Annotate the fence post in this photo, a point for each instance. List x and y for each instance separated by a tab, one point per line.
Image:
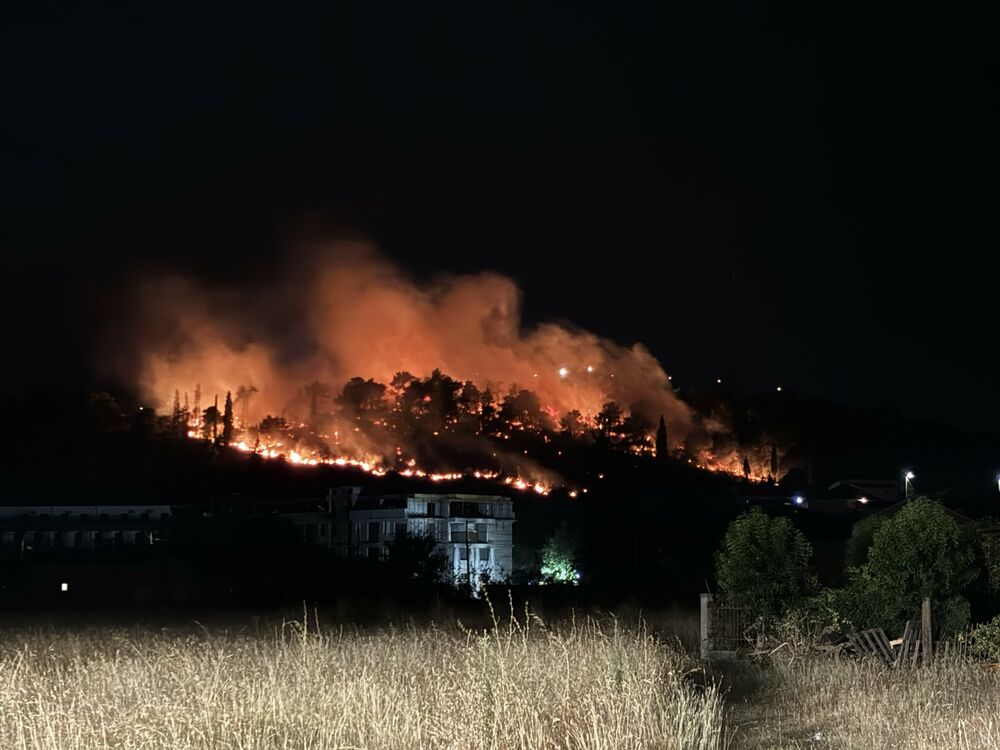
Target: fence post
706	599
926	638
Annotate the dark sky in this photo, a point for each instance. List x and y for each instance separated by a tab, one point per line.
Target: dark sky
795	196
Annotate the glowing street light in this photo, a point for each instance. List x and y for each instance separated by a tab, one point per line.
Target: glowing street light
908	478
799	500
563	372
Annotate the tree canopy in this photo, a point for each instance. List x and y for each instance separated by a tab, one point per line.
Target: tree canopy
763	564
920	551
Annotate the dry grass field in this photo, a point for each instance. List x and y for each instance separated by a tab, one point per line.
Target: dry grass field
517	684
952	705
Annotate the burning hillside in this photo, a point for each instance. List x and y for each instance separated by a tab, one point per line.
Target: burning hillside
347	361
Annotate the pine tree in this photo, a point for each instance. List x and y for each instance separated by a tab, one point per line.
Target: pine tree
746	467
196	406
175	416
774	460
227	420
210	423
661	440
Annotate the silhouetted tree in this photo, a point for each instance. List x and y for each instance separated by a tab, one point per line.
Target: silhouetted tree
176	421
362	398
746	466
469	399
144	422
609	419
401	380
430	404
487	411
774	460
417	557
227	420
661	439
210	423
572	423
635	429
104	413
522	408
196	404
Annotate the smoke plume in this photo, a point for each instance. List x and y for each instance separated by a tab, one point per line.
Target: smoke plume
345	311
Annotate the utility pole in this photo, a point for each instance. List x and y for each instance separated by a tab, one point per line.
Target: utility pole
468	554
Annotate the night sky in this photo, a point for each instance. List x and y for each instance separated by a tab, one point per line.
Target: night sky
772	196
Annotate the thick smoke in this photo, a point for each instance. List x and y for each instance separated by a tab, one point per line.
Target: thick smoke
348	312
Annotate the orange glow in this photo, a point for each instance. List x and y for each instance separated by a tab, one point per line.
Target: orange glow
371	465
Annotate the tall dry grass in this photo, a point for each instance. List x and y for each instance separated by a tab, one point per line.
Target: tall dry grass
518	684
819	703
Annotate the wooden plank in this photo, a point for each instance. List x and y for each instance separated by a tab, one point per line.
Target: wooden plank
904	644
883	644
873	639
874	647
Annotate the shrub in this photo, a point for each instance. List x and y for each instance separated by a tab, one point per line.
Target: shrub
763	565
986	639
919	552
860	541
814	619
559	556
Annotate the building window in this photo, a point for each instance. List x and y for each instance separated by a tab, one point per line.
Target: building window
481	532
484	554
373	527
463	554
461	532
430	509
400	530
373	553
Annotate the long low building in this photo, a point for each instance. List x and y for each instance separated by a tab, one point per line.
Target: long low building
473	532
30	528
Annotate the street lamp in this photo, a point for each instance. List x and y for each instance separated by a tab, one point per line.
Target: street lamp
908	477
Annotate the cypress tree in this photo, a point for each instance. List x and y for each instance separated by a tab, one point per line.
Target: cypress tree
661	440
227	420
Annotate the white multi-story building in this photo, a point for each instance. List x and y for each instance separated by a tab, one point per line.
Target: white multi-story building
474	532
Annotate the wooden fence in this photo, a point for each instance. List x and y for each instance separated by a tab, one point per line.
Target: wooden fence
723	629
